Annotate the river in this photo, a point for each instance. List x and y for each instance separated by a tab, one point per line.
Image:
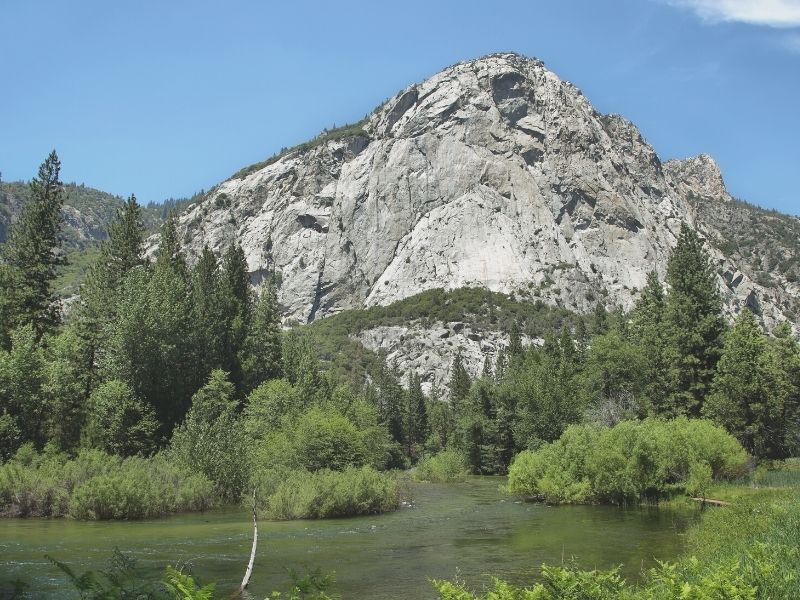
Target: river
470	529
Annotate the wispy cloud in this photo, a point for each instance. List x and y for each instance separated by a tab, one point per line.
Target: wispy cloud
774	13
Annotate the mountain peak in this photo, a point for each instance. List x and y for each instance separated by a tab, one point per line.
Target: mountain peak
492	173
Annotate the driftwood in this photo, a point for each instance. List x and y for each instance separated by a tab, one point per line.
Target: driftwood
712	502
249	572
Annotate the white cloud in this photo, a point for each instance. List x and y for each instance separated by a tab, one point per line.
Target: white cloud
774	13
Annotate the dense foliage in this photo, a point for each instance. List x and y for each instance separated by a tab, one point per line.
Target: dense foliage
190	364
96	485
633	461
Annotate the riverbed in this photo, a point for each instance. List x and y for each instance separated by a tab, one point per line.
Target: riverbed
470	530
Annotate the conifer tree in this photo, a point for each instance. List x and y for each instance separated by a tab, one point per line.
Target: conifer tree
749	392
261	357
694	323
391	404
417	426
208	317
460	382
237	306
122	251
648	333
30	257
514	342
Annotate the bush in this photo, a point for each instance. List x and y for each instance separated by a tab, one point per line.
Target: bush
96	485
447	466
631	462
323	494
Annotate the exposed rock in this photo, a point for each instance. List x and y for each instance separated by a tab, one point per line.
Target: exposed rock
492	173
418	349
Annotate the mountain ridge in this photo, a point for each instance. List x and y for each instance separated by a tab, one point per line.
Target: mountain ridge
493	172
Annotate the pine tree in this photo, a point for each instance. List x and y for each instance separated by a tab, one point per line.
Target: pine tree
208	317
648	333
122	251
261	357
237	306
30	258
744	398
694	323
391	404
514	342
169	247
417	425
460	382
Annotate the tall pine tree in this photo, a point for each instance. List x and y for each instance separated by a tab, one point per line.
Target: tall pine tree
694	324
31	256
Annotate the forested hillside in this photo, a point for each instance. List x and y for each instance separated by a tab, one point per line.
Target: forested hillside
168	363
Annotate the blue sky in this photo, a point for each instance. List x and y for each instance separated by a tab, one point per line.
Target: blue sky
165	98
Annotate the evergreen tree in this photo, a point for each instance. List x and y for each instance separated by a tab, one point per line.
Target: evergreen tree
599	319
694	323
417	413
460	382
30	258
500	365
648	333
785	372
515	342
208	317
122	251
237	306
391	404
261	357
169	246
487	372
747	396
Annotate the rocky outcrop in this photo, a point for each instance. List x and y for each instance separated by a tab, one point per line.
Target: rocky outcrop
492	173
429	351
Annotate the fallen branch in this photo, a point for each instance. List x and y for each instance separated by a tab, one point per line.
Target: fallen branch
249	572
712	502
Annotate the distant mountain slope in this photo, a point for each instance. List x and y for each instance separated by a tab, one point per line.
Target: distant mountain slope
87	214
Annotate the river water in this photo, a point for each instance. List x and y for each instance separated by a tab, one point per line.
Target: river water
470	530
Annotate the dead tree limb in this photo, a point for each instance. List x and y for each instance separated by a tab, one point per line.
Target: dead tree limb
249	572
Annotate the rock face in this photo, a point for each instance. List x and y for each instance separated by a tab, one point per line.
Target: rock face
492	173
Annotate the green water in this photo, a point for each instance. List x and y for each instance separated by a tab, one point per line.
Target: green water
469	528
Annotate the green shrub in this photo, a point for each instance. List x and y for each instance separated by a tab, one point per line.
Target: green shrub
630	462
96	485
138	489
447	466
325	493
